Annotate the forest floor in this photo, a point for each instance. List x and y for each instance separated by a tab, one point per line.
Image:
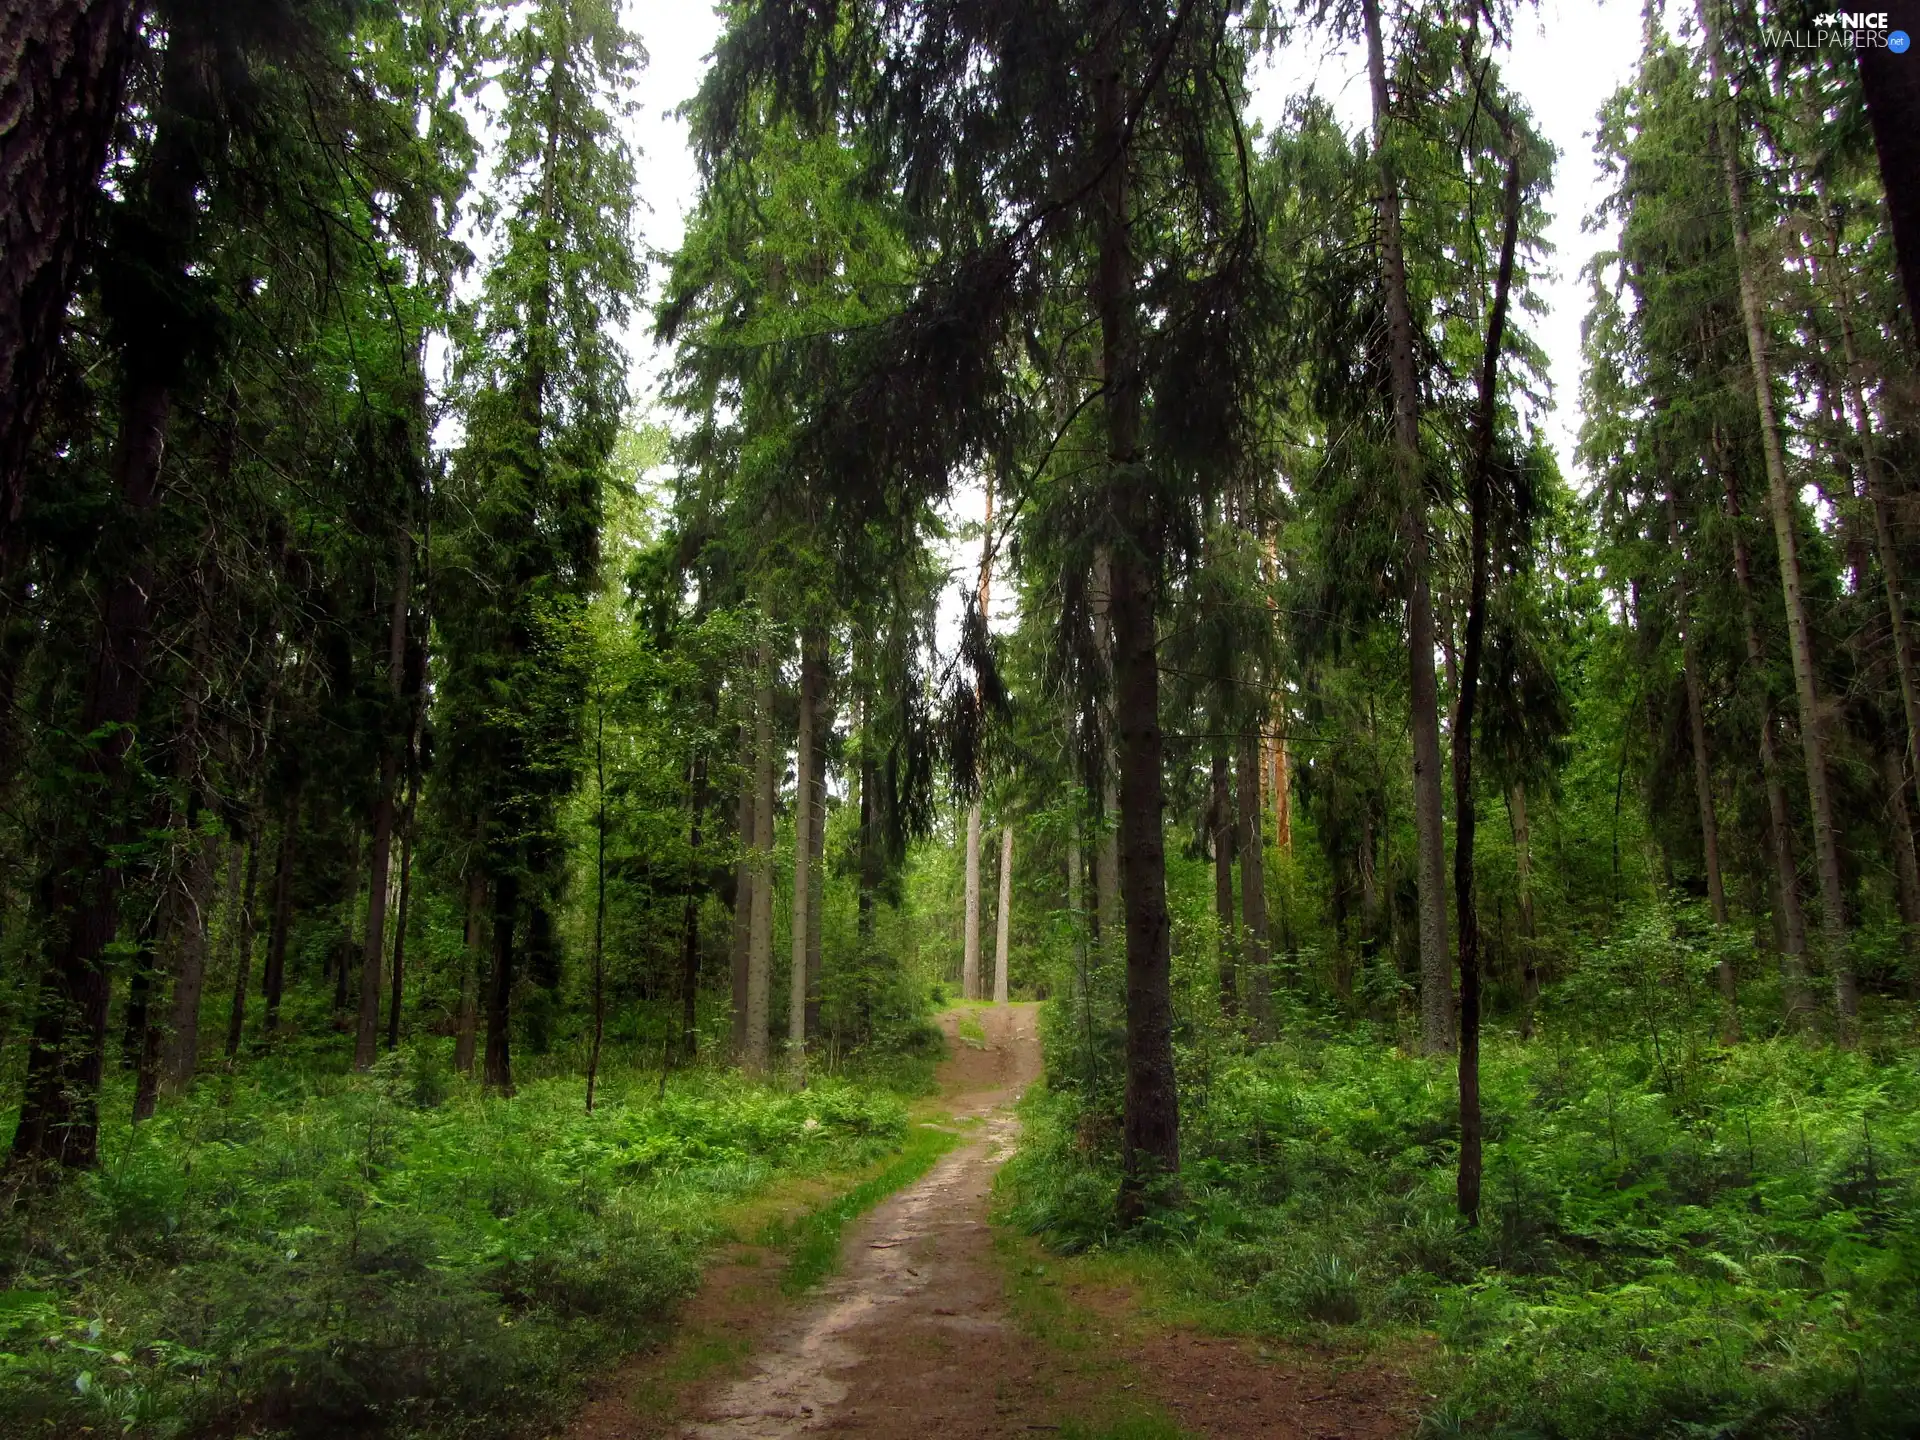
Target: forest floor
936	1322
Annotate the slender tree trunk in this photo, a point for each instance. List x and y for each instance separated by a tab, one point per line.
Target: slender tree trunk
803	820
600	894
1223	854
1529	954
497	1074
188	941
1780	497
273	981
1151	1124
1282	797
1786	878
143	1039
1890	84
1253	889
366	1041
1105	928
62	73
473	955
1906	865
1003	916
1465	805
243	940
743	896
760	945
1703	779
970	921
690	918
401	907
823	723
1436	984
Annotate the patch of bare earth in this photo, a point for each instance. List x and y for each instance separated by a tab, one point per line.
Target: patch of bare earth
913	1335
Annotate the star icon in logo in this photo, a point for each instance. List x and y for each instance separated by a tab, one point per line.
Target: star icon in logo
1824	22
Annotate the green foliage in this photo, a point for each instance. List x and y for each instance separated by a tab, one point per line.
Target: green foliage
389	1254
815	1239
1678	1238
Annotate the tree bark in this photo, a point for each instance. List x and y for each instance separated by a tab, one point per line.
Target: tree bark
1256	955
1780	498
689	918
401	907
366	1042
1465	804
970	920
273	980
1151	1107
1529	955
243	941
473	954
1703	778
1223	856
1906	865
760	942
803	820
743	897
1002	917
815	957
1105	927
1436	984
1786	877
187	939
63	67
497	1073
59	1113
1890	84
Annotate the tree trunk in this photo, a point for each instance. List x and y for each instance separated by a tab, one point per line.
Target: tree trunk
62	72
1151	1107
1105	928
1890	84
689	919
400	929
1780	497
760	940
366	1041
188	940
142	1041
803	820
600	895
1906	866
1529	955
243	941
1786	878
823	730
1703	779
273	980
1003	916
1436	983
1223	855
473	955
970	921
1253	889
1465	805
743	897
497	1074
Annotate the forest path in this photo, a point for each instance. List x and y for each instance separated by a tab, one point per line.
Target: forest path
917	1333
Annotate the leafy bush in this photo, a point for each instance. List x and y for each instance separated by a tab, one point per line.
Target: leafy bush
388	1254
1693	1240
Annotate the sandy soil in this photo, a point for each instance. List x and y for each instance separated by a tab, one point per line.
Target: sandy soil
913	1335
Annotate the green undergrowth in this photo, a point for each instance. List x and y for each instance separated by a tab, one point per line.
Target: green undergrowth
392	1254
1720	1243
814	1239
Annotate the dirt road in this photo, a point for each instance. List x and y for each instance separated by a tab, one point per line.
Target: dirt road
915	1335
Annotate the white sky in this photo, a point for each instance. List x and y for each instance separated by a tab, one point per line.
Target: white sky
1567	57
